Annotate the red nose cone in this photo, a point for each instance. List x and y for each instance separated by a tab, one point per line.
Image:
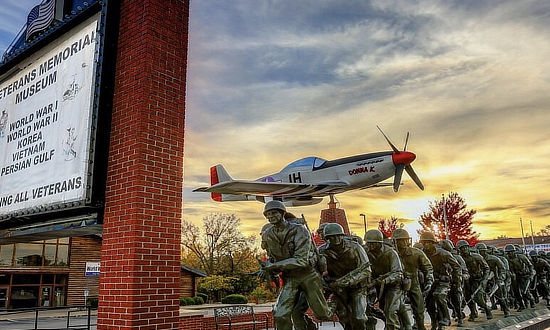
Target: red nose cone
403	157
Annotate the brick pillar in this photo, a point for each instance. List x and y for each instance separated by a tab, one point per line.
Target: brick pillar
334	214
140	261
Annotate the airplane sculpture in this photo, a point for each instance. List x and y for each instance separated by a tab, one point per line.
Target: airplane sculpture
307	180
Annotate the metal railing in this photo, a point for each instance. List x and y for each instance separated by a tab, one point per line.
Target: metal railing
70	310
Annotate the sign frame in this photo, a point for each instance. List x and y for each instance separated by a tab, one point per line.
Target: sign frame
100	113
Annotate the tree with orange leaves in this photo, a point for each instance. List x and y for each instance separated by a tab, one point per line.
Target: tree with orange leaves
459	219
387	226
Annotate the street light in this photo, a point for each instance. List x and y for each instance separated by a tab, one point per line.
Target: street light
364	221
211	270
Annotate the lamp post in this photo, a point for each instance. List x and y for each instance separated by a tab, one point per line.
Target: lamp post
211	264
232	263
364	221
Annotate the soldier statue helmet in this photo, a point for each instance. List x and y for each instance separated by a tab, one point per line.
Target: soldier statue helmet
427	236
274	205
481	247
332	229
462	243
374	236
400	233
374	239
447	245
533	253
401	238
510	249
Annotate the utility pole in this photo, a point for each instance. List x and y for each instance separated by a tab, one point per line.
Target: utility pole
532	235
445	217
364	221
522	235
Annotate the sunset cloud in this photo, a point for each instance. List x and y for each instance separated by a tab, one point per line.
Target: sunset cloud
273	82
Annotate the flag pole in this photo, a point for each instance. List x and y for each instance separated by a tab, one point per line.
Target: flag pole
445	217
522	236
532	235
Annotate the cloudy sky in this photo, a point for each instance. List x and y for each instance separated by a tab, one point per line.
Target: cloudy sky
273	81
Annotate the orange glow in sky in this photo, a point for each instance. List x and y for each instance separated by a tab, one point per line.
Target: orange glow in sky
269	84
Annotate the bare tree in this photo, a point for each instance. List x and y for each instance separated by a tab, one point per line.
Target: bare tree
222	248
545	231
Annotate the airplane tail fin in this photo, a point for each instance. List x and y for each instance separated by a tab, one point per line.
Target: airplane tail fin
219	174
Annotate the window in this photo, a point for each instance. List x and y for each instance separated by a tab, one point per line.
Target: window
6	255
27	254
62	255
53	252
49	255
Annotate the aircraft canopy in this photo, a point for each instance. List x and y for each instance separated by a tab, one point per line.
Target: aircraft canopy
309	162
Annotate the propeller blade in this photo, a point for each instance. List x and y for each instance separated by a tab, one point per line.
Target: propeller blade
397	178
406	141
389	142
413	176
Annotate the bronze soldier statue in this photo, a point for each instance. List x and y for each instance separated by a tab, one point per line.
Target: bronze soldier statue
289	246
446	271
496	284
479	276
456	293
523	273
348	274
508	281
387	275
542	267
414	261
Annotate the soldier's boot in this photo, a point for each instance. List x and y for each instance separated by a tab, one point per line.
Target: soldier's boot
493	303
506	312
489	313
535	296
473	311
460	322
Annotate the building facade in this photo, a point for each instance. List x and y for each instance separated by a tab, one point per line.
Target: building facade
48	273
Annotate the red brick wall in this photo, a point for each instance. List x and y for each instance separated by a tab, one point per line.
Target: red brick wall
140	262
333	214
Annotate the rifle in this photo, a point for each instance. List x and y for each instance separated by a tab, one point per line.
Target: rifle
491	275
493	290
532	284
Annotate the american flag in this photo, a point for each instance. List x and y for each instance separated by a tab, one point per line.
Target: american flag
40	17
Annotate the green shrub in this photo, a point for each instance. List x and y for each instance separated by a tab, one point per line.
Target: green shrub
198	300
235	299
204	296
187	301
259	294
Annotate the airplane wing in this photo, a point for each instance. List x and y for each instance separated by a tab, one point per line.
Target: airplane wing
379	185
243	187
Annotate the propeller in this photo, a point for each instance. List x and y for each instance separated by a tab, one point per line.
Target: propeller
402	161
